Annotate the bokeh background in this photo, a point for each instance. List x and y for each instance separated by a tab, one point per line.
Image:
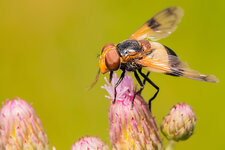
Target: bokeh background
48	57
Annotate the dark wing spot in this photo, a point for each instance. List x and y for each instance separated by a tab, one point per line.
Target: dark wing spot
153	24
170	11
174	63
176	72
170	51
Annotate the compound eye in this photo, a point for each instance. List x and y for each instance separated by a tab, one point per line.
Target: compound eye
107	46
112	60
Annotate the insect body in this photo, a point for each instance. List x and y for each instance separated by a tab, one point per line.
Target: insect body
140	51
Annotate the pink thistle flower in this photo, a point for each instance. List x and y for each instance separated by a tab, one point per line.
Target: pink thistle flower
130	128
89	143
180	123
20	128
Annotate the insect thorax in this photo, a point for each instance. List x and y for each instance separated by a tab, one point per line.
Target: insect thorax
128	46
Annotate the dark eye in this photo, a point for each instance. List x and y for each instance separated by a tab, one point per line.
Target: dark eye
112	59
107	46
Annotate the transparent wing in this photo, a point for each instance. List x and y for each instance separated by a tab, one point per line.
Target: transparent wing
159	26
162	62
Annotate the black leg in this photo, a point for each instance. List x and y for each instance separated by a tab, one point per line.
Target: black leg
110	76
139	91
144	81
153	84
118	82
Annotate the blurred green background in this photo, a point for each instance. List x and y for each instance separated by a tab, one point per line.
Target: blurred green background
48	57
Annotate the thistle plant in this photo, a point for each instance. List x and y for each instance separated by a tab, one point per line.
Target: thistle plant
130	128
20	128
179	124
89	143
135	128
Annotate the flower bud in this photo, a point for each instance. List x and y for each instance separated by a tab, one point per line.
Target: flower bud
179	124
89	143
131	128
20	128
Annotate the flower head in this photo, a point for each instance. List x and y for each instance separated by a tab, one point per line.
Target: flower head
131	128
20	128
179	124
89	143
125	90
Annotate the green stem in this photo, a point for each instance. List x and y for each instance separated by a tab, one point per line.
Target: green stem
170	145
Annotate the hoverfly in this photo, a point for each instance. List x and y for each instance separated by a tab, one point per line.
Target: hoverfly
140	51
